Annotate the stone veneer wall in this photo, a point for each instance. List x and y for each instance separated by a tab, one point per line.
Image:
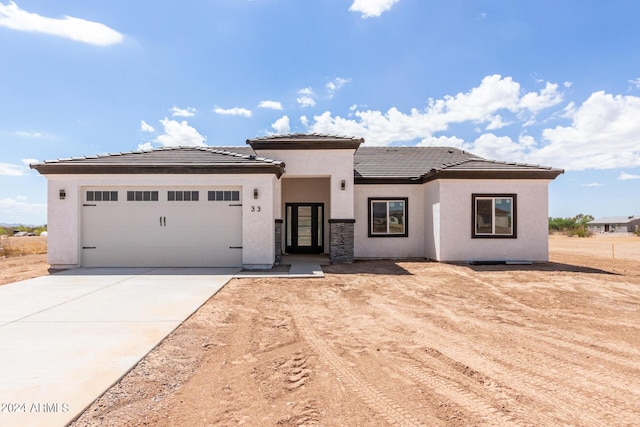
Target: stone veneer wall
278	240
341	234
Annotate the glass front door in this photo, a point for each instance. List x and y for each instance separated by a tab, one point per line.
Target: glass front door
304	228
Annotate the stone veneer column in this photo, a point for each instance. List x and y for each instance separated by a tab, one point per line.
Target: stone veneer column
341	233
278	241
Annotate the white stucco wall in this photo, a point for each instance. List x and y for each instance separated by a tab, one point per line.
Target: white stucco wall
456	243
411	246
432	219
64	216
335	164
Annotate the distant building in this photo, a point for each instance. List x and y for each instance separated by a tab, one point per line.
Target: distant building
615	224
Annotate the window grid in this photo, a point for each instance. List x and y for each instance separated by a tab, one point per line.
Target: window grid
142	196
183	196
101	196
223	196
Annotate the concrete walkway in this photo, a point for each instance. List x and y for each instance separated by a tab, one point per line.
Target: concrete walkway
68	337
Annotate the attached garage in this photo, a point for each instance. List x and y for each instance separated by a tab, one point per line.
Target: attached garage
170	207
162	227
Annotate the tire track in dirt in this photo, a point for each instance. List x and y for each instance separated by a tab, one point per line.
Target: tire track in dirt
388	409
539	355
556	399
442	379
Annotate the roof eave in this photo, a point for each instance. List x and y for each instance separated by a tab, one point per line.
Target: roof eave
93	169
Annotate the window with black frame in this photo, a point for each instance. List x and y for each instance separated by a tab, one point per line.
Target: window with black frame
388	217
494	216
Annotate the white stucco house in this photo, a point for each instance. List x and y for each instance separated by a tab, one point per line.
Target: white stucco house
246	206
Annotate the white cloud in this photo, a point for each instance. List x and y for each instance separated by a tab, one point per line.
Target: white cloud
548	97
146	127
29	161
441	141
604	134
147	146
18	210
8	169
306	101
24	134
180	112
603	131
179	134
336	84
635	82
307	98
11	16
274	105
371	8
592	184
496	123
627	176
281	126
233	111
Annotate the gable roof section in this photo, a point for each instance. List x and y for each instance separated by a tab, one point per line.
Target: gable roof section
187	160
415	165
301	141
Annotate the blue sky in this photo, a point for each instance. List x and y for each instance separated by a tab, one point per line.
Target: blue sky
545	82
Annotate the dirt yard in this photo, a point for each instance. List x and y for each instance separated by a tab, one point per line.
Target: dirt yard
404	343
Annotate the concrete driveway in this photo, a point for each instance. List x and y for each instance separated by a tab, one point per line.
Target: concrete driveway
68	337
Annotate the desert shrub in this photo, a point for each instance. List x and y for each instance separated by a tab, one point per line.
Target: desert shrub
579	232
3	231
16	246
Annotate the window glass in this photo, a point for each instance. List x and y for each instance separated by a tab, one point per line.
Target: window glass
503	216
138	196
114	196
171	196
494	215
146	196
388	217
396	217
97	196
89	196
195	196
379	217
484	216
235	195
219	195
130	196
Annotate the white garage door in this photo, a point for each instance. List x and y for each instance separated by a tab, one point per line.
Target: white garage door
161	227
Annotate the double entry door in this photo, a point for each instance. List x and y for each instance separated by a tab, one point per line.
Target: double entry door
304	228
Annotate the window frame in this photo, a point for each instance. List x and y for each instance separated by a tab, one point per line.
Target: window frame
493	197
372	200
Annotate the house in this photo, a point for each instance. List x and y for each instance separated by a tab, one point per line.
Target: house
615	224
299	193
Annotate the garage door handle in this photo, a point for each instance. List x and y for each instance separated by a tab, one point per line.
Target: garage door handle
160	221
235	247
164	218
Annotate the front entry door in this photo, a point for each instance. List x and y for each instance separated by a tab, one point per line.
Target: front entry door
304	232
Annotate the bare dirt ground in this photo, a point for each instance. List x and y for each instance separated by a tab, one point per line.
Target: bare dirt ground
22	258
402	343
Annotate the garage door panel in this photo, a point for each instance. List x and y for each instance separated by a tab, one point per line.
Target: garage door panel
162	233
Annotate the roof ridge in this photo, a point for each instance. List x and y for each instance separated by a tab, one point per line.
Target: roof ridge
168	148
300	134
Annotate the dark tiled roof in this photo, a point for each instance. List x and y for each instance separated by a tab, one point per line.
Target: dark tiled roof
404	162
371	164
420	164
170	159
301	141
